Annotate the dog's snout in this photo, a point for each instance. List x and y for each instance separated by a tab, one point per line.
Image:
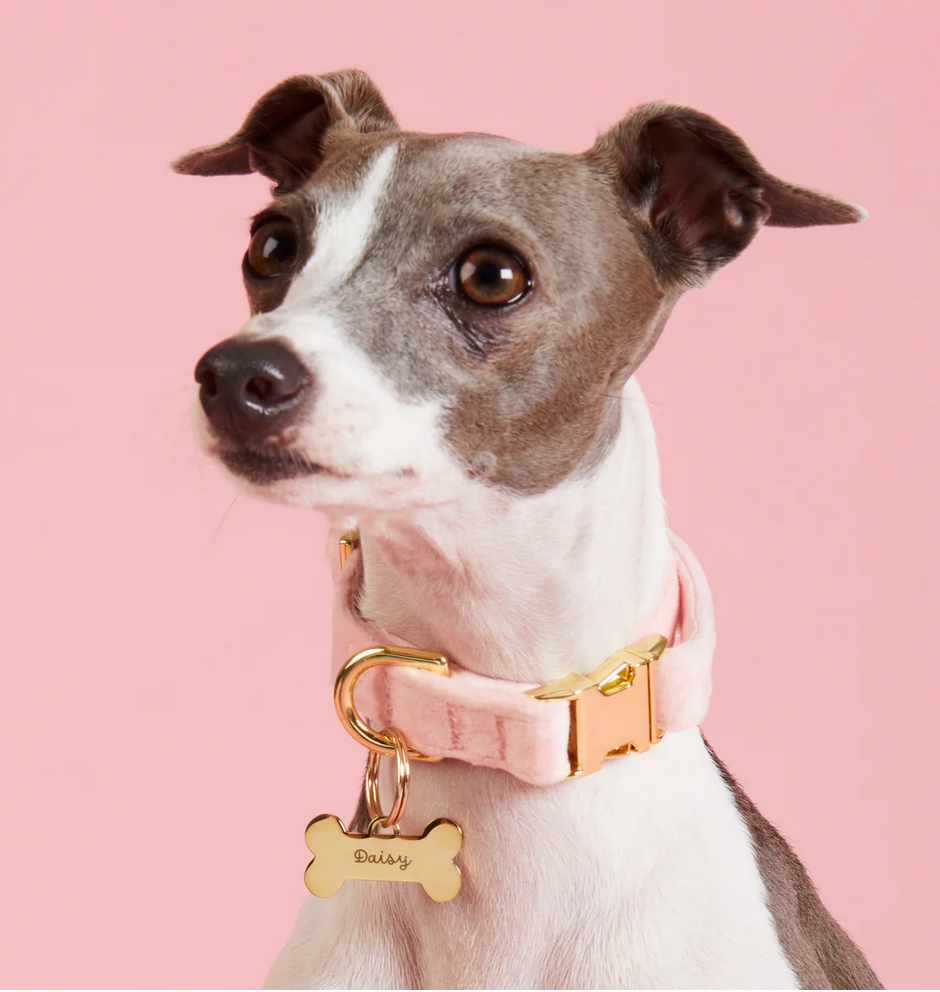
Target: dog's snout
247	387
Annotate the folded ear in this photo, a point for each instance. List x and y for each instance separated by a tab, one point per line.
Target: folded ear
282	137
699	193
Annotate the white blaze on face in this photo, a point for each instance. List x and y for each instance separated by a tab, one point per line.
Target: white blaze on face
357	425
344	229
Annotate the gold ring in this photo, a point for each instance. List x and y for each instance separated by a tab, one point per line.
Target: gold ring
403	776
375	823
346	681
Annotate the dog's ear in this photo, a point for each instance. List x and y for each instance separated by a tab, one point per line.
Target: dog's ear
699	193
282	137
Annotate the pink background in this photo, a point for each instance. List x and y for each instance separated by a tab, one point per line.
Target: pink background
166	720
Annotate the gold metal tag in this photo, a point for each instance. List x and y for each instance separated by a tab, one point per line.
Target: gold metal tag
339	856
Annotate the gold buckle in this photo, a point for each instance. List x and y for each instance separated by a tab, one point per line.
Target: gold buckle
346	680
613	710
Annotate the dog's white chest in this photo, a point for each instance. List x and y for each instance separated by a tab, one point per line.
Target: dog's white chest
640	876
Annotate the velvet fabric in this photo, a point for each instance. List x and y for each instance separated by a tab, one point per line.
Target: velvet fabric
492	722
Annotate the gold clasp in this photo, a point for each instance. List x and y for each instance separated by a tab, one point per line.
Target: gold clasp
613	710
348	543
346	680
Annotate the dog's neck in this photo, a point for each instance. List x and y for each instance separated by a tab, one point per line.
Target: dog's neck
527	588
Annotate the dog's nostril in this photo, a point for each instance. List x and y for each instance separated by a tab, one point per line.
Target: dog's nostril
261	388
209	383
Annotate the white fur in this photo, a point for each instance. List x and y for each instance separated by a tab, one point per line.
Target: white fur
523	588
343	231
362	431
639	876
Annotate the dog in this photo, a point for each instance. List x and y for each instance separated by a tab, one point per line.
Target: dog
441	352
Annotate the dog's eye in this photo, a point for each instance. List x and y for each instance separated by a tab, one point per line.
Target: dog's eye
491	276
272	250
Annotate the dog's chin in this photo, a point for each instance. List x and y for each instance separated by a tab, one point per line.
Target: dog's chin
282	476
270	466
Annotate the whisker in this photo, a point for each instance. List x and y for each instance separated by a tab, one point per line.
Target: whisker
221	522
621	396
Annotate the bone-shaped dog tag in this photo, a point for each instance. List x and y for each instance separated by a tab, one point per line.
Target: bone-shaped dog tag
338	856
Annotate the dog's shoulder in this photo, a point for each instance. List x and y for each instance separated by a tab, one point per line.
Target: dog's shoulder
821	953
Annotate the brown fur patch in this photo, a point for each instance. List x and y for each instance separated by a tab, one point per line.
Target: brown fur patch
283	134
531	390
698	192
821	953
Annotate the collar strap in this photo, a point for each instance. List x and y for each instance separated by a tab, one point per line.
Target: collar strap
540	734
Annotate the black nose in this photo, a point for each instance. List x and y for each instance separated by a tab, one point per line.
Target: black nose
248	387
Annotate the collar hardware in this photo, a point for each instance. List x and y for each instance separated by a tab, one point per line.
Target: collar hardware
613	709
348	543
408	657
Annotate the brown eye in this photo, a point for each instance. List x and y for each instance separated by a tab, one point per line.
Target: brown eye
492	276
272	250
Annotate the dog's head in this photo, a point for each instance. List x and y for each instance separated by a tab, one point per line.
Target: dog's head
436	311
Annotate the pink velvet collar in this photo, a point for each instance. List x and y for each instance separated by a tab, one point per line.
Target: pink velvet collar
492	722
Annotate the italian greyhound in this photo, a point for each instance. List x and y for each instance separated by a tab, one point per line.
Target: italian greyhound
441	352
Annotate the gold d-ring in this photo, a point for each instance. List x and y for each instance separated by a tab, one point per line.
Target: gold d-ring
402	778
346	681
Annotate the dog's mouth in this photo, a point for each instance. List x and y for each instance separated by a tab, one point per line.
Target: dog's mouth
271	464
